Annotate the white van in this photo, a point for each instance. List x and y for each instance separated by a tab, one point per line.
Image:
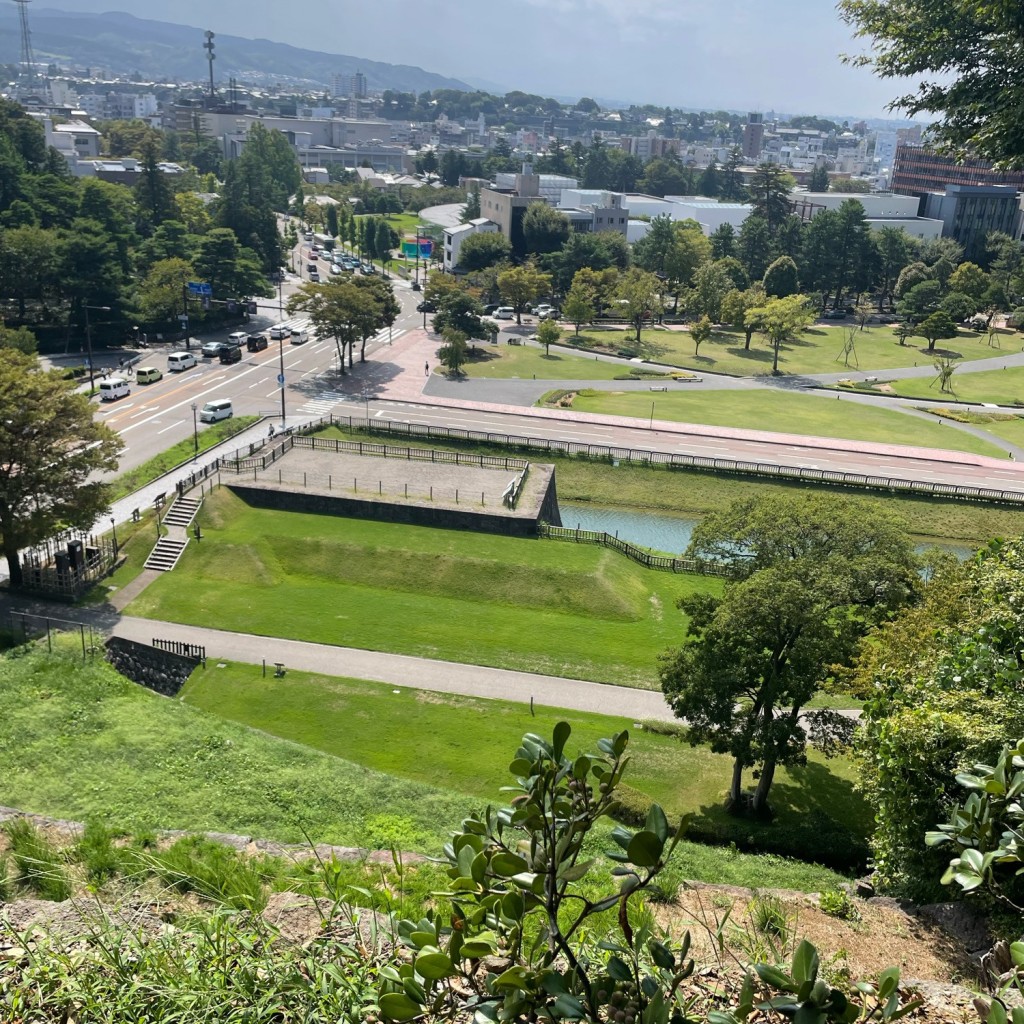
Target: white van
238	339
299	335
219	409
178	361
147	374
113	388
504	313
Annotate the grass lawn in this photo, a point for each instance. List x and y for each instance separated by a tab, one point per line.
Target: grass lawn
527	362
695	494
79	741
815	350
403	223
998	387
464	743
532	605
789	413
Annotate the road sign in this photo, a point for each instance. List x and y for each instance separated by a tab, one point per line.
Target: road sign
183	318
199	288
280	378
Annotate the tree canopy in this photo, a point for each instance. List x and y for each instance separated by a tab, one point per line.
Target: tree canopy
811	574
51	451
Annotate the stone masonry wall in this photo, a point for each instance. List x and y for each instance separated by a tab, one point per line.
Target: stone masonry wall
157	670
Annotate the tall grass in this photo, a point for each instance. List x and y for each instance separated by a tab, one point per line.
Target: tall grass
40	864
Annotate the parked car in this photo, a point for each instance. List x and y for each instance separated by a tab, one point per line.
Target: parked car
491	309
416	286
212	349
504	313
426	306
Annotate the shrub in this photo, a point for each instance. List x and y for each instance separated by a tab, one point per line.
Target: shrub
768	915
40	864
837	903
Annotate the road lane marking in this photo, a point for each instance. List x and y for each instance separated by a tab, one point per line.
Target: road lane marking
171	427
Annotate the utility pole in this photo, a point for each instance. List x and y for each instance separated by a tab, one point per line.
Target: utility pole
280	353
88	337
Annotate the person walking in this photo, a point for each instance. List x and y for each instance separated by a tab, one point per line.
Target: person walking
426	369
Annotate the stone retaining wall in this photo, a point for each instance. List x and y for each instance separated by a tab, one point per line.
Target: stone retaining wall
159	671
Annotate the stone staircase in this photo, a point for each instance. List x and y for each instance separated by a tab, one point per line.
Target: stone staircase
165	555
182	512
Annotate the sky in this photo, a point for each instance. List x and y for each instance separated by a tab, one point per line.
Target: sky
781	55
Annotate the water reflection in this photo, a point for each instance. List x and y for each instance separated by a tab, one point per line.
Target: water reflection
666	533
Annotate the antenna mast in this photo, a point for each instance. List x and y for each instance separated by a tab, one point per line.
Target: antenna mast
27	56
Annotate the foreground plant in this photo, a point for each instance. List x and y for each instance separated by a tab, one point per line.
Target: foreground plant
514	946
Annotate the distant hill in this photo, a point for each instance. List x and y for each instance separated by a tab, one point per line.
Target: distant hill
159	50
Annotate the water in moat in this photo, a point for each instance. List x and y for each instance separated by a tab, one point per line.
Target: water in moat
670	534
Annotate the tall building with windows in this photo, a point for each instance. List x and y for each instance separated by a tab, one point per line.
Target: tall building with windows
753	136
916	170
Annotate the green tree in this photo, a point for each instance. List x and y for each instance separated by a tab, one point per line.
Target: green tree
966	57
723	242
711	284
663	177
545	229
454	352
780	320
337	309
471	211
754	246
484	249
709	183
231	270
548	333
639	293
733	190
459	311
153	195
936	326
911	275
781	278
818	181
522	286
737	304
579	307
52	454
269	168
811	575
959	306
920	300
769	194
970	279
942	694
893	247
331	220
700	331
159	296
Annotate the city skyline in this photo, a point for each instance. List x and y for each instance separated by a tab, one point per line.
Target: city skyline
731	54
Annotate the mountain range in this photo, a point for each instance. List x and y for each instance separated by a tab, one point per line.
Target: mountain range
161	51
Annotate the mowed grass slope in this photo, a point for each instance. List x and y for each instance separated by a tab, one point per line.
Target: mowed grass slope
79	740
999	387
465	743
532	605
790	414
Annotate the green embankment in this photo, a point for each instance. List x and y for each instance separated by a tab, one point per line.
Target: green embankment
532	605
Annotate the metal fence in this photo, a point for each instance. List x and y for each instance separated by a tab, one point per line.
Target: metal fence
640	555
66	565
679	460
512	493
197	652
34	627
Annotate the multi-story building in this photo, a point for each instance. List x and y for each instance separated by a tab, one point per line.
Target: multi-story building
969	212
753	136
649	146
454	237
881	210
917	170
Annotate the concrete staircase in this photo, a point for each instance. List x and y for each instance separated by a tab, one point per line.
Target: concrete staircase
165	555
178	518
182	512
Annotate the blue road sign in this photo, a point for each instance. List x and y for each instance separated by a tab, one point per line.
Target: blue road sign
280	378
199	288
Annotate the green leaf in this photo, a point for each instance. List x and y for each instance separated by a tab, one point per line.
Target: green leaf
661	955
805	963
398	1006
1017	953
568	1006
414	990
888	981
421	939
514	977
996	1013
645	849
434	966
574	872
475	948
508	864
521	767
561	735
658	823
618	969
774	977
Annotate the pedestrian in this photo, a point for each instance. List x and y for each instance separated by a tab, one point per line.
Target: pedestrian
120	363
271	432
426	369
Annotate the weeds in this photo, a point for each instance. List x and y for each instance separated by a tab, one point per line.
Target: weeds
40	864
767	915
5	880
837	903
96	851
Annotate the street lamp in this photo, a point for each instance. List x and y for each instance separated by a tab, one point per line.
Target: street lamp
195	432
280	375
418	254
113	530
88	336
